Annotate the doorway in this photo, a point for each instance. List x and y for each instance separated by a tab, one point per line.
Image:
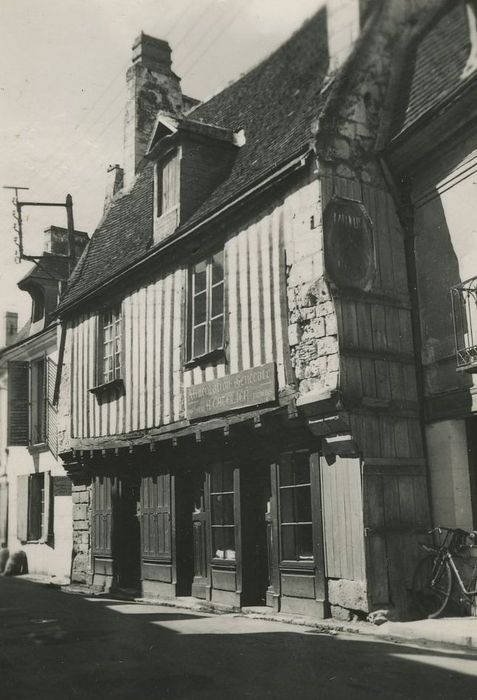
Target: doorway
127	536
256	522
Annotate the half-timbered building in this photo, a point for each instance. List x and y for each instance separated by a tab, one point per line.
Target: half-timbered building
35	492
240	407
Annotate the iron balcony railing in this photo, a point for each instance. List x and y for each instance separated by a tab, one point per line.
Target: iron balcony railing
464	312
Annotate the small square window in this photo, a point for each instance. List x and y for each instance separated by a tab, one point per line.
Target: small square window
207	306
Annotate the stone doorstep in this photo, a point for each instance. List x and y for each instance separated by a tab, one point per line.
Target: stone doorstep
444	633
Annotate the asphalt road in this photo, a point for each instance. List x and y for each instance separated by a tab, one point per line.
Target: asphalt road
58	645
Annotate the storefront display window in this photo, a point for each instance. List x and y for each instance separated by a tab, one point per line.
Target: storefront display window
295	507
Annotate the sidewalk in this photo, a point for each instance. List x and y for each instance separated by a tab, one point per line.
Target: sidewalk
458	632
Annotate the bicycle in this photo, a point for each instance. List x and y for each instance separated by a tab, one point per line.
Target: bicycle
436	573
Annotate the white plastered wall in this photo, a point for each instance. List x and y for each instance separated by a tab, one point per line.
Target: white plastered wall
449	471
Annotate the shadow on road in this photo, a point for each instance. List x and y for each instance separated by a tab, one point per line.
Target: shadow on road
55	645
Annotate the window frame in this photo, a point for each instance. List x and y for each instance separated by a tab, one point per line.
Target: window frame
210	351
42	510
308	561
115	311
174	155
38	397
221	526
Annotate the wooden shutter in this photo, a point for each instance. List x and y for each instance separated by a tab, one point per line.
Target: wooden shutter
3	512
51	409
156	516
18	403
102	515
22	507
47	522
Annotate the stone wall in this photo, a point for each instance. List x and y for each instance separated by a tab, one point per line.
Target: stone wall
81	570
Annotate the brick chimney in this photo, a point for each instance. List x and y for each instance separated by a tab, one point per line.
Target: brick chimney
9	328
114	182
56	241
345	19
152	86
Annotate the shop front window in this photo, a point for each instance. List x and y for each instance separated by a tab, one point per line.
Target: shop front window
295	507
222	511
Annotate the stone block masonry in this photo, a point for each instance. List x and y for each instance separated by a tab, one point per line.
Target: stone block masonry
81	569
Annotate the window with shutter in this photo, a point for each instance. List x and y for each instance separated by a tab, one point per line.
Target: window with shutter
22	507
168	184
38	401
51	409
3	512
18	403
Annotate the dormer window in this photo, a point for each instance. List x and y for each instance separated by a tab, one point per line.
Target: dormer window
38	306
167	198
168	184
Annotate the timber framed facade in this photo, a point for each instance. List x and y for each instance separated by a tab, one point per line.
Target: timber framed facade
257	433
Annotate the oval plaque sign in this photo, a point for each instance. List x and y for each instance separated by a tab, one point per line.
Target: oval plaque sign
349	244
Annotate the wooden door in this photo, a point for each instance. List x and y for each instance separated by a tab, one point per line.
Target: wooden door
156	517
102	516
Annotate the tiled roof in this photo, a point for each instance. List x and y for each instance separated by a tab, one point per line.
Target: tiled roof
435	67
274	103
49	267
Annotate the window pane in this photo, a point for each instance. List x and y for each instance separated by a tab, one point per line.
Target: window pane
294	469
217	300
199	341
222	509
287	512
200	308
302	467
200	277
223	542
222	477
288	542
304	538
217	333
302	504
218	267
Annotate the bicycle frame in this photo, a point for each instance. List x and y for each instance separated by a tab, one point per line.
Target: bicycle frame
443	554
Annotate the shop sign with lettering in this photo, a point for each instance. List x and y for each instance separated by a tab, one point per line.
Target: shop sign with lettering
349	244
251	387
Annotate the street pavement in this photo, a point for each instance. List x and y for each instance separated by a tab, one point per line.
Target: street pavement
59	645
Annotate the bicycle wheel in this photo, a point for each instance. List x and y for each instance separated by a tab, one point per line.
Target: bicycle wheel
431	586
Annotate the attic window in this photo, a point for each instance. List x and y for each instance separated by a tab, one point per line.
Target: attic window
168	184
38	306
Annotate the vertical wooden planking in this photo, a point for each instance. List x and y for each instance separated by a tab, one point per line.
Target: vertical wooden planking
170	348
243	329
141	301
277	260
128	363
266	290
256	308
159	352
232	293
166	340
177	358
149	368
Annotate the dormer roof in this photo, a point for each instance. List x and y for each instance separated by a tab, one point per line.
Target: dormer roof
273	105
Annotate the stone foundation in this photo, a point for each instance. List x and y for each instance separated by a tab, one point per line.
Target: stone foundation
81	570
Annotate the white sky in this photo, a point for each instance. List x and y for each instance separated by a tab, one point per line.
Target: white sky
62	93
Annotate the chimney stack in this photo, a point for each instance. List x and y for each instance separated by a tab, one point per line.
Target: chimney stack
56	241
9	328
152	86
345	19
